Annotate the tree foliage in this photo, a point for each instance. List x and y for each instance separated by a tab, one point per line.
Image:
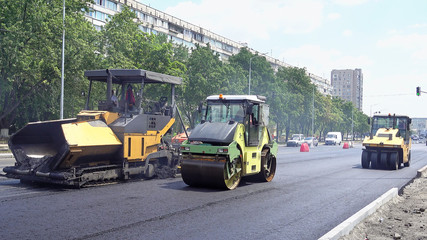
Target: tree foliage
30	56
30	70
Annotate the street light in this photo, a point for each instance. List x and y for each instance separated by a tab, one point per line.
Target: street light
250	71
312	115
62	62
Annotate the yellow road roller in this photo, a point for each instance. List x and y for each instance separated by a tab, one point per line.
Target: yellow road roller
389	143
117	140
232	141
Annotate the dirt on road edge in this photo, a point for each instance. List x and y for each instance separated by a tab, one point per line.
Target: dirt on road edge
403	217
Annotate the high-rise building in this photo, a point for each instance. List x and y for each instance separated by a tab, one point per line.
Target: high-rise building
348	85
182	32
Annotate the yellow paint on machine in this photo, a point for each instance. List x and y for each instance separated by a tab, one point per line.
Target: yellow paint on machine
108	117
87	134
92	138
387	138
137	146
251	155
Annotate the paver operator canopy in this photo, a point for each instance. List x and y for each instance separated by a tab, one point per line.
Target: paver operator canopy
128	81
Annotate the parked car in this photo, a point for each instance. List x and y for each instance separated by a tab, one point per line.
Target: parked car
311	141
296	140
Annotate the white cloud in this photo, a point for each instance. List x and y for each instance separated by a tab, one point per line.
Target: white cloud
416	43
350	2
347	33
419	25
322	61
250	20
334	16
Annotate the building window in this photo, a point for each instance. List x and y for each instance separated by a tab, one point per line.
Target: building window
144	29
198	37
227	47
102	16
91	13
111	5
100	2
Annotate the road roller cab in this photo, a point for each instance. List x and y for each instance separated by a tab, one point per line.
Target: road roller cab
232	141
389	143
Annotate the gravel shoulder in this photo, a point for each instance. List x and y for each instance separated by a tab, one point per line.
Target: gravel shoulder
403	217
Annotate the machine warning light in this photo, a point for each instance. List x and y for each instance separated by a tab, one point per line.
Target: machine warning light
418	91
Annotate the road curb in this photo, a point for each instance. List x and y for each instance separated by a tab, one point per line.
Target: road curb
348	225
422	172
345	227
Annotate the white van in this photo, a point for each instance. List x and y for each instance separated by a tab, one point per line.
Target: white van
333	138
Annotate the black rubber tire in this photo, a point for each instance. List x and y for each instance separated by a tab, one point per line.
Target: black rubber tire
394	161
407	164
374	160
268	167
365	159
384	159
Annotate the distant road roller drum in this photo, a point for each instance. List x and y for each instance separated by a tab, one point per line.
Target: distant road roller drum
389	143
232	141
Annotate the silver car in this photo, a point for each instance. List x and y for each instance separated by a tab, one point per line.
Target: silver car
311	141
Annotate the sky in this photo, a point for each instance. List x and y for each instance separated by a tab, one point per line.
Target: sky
387	39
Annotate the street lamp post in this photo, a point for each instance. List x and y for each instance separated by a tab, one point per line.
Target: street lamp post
62	64
352	123
250	71
312	115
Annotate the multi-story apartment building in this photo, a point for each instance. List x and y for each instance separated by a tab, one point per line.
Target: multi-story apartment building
348	85
181	32
323	85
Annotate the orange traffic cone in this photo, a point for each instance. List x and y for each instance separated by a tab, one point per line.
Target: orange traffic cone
346	146
304	148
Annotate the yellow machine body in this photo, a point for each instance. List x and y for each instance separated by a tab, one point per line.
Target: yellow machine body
389	144
113	142
388	139
138	146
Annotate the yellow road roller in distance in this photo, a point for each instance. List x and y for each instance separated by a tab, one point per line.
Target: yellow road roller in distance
389	143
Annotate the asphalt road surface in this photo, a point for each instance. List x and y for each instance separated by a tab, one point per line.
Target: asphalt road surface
311	193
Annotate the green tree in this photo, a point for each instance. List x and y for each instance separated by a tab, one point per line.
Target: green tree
299	96
206	76
30	57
